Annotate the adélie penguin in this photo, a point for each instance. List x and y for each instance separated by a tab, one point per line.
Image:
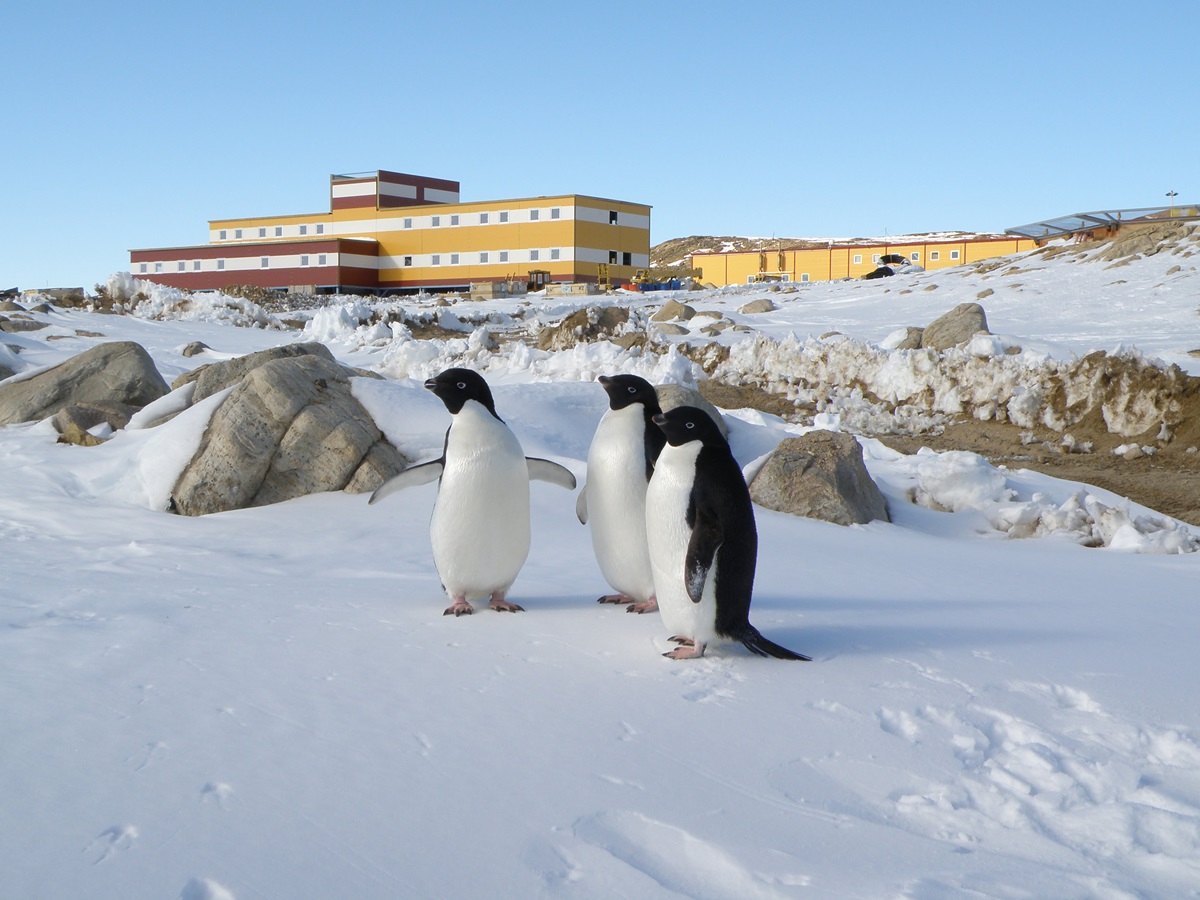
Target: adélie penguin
613	500
702	540
480	524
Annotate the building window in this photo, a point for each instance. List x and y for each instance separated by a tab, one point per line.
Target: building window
483	257
454	220
237	233
503	217
804	276
158	267
220	264
914	256
483	218
875	258
858	259
555	212
954	254
612	217
221	234
555	253
503	256
408	260
454	259
196	266
408	223
321	228
262	232
533	256
627	259
304	229
437	259
322	260
612	257
304	260
278	231
264	262
533	215
933	255
182	266
436	221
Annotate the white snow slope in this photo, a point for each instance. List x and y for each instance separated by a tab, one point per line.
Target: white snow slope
269	703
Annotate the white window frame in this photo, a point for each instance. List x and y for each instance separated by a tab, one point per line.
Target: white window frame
264	262
237	233
483	218
915	256
158	267
503	256
454	259
435	222
483	257
454	220
262	232
304	229
220	264
221	235
196	265
555	253
322	259
954	254
408	223
143	268
504	215
858	259
555	212
533	215
934	255
278	231
436	259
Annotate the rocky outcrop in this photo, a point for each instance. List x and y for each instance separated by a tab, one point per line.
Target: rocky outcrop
819	475
215	377
119	372
290	427
956	327
673	309
584	326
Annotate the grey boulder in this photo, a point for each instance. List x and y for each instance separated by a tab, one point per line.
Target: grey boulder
819	475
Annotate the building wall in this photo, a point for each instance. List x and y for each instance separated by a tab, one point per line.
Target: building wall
436	243
847	260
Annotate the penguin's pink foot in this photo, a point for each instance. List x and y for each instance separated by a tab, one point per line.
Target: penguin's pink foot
614	598
460	607
646	606
686	650
499	604
680	639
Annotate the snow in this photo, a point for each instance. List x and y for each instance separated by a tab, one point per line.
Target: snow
269	703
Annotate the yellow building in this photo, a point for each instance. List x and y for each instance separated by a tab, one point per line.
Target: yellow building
388	232
834	260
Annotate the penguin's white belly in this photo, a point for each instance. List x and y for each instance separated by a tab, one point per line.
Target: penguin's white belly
480	526
668	536
616	502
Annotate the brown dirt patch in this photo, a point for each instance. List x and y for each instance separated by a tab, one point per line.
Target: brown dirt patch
1167	482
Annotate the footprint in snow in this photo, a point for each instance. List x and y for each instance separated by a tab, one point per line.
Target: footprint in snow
111	841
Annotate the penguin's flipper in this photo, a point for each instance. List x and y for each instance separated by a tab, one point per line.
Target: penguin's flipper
410	477
761	646
702	549
581	506
544	470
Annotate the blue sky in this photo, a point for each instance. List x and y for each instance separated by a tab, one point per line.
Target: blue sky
132	125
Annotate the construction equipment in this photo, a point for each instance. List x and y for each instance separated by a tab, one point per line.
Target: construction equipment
602	281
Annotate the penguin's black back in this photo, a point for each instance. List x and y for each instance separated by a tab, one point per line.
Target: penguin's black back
719	490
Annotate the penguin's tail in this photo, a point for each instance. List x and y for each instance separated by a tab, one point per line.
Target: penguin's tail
761	646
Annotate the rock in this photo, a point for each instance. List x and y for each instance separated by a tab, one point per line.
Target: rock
819	475
291	427
912	339
12	326
215	377
583	326
955	327
9	306
984	294
195	348
673	395
673	309
85	416
761	305
73	434
6	372
119	372
671	329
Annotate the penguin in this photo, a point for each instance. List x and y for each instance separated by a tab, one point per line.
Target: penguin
702	540
480	524
613	500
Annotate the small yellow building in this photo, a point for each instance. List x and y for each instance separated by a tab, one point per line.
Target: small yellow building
833	260
387	232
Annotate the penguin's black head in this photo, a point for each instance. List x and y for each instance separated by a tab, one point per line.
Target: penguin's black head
685	424
456	386
624	390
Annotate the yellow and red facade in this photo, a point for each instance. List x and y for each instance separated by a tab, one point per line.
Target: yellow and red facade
387	231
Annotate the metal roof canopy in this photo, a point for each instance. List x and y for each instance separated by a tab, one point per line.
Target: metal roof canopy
1076	222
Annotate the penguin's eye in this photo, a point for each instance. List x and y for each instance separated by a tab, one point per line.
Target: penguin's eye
631	390
689	424
462	385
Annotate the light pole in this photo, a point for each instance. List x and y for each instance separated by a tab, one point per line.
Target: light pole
1171	195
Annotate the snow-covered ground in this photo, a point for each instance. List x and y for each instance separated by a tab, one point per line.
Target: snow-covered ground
269	702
